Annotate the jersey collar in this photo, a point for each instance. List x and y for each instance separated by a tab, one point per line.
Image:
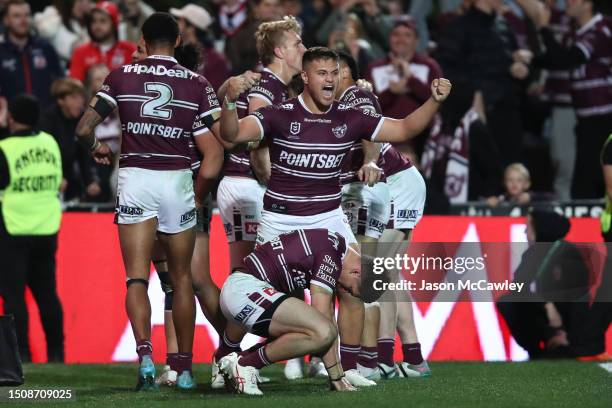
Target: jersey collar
346	90
301	101
163	57
269	71
596	19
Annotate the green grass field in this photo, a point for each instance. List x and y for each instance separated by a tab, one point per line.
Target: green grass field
535	384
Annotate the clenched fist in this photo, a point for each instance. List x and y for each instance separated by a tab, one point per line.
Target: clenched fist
239	84
440	89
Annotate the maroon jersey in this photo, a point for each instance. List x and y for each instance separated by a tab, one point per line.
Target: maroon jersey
592	82
392	161
298	259
359	98
307	152
161	106
557	89
273	91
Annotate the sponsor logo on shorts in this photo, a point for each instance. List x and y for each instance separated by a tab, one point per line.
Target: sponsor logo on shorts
188	216
244	313
250	227
228	228
249	217
126	210
376	225
409	215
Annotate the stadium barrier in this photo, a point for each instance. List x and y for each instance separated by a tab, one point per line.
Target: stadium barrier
91	285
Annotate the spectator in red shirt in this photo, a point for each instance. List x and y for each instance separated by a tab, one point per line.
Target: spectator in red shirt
194	22
104	47
401	80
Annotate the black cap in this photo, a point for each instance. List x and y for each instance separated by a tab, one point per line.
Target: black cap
25	109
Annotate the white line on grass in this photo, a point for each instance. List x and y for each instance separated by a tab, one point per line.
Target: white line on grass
606	366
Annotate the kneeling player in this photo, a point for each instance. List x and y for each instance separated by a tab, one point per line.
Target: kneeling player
255	298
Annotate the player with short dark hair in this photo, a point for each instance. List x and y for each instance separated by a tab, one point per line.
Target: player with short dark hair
309	137
161	105
255	297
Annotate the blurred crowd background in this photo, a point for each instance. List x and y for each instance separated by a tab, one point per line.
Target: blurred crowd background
508	135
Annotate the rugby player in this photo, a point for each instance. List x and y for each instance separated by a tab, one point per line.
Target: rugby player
255	297
367	209
205	172
161	105
404	193
309	137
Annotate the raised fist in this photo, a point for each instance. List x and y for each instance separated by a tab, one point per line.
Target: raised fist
440	89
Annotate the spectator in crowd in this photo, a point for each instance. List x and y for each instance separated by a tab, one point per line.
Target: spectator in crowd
474	49
104	46
134	13
233	14
517	182
376	25
29	222
556	93
420	9
460	161
401	80
60	120
589	61
63	25
313	15
240	46
28	64
109	132
194	22
351	40
556	313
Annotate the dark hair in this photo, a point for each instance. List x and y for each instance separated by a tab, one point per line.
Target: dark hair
318	53
12	3
25	109
189	56
348	60
160	28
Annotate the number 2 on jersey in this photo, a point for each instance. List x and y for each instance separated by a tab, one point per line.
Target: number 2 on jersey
153	107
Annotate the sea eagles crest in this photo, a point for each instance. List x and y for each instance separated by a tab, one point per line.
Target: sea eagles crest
340	131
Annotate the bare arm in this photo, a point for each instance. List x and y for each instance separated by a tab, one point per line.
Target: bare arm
402	130
369	172
210	167
233	130
260	156
322	300
85	130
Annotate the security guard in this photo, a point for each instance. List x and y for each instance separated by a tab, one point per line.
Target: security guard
30	179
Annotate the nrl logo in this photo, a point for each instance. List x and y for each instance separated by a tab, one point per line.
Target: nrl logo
295	127
339	131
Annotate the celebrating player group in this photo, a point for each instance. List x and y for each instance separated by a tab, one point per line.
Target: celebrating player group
308	177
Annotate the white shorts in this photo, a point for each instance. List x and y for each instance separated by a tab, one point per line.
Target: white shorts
273	224
408	191
163	194
240	202
367	208
246	299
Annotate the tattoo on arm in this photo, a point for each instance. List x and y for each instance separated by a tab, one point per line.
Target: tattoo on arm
86	126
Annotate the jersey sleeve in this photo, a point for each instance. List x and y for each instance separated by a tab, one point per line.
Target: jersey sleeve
367	122
327	263
209	109
108	90
265	118
260	91
326	269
